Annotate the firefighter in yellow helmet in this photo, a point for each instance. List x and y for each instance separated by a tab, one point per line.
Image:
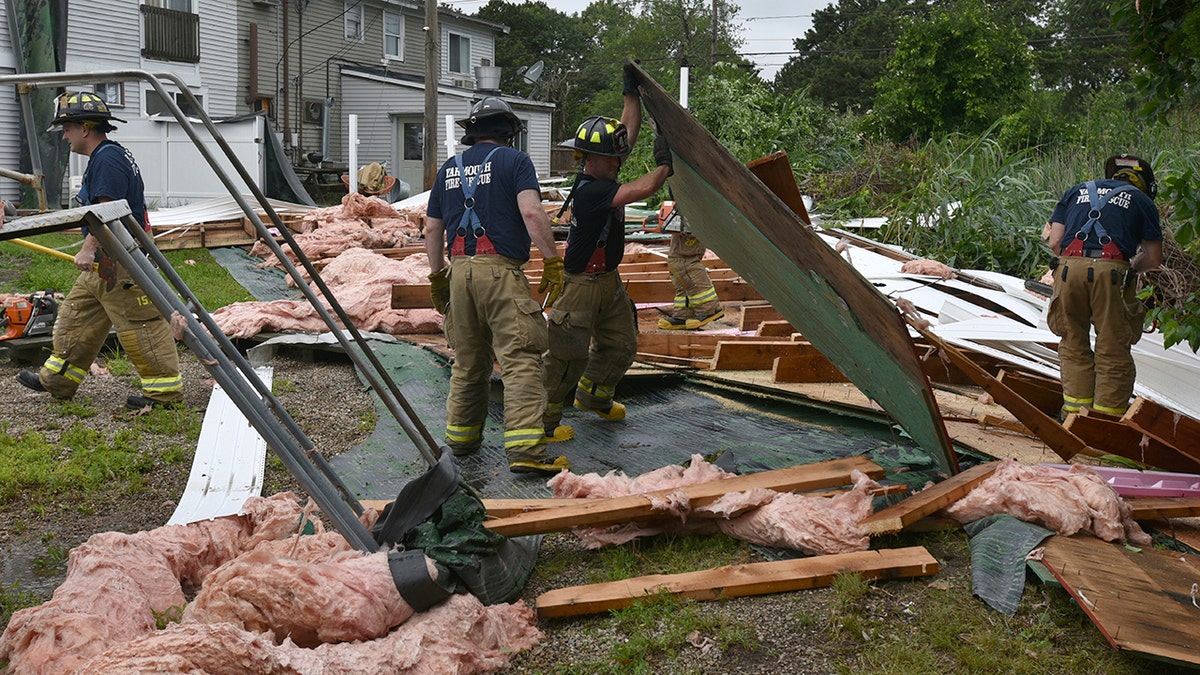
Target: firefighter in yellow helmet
593	325
1105	233
104	294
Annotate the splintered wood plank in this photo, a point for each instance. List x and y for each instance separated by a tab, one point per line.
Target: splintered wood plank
1107	435
775	171
1178	431
1064	443
1157	508
754	355
605	512
753	315
928	501
732	581
806	368
1140	601
1043	392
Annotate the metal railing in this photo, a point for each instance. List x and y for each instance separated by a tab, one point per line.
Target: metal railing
170	35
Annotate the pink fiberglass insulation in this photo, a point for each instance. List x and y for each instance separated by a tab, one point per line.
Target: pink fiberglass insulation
931	268
116	582
252	571
362	283
1064	501
809	524
359	222
342	600
457	637
812	525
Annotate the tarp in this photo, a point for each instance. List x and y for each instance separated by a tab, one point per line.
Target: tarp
825	298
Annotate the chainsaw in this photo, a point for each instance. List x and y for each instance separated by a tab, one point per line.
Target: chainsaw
29	317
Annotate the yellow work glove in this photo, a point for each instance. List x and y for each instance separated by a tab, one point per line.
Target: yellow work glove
439	289
552	279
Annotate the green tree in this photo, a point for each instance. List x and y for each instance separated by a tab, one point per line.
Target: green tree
1165	42
1084	52
846	51
957	70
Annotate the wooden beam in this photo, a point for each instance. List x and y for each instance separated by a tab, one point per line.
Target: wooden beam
605	512
686	344
733	581
416	296
1116	438
1161	508
806	368
1064	443
753	315
775	329
775	171
1043	392
1178	431
756	355
928	501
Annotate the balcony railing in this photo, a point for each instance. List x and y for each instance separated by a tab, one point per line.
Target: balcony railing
171	35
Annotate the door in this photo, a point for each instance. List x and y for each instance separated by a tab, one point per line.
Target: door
409	132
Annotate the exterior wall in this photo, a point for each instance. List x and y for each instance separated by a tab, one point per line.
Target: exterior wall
10	112
377	100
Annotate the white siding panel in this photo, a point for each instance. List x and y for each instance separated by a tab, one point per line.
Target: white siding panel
219	55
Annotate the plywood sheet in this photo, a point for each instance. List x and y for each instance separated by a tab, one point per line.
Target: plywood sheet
835	308
1140	600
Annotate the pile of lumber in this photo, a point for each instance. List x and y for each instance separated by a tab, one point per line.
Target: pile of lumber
231	232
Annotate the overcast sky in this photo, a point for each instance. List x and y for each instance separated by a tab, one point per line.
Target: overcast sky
767	25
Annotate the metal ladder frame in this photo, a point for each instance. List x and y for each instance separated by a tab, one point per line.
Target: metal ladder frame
119	235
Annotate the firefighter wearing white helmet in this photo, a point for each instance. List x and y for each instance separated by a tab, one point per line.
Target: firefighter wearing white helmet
1105	233
104	295
486	206
593	326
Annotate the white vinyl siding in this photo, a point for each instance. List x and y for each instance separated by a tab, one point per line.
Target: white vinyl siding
472	48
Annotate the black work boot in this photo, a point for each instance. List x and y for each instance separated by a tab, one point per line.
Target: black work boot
30	379
135	402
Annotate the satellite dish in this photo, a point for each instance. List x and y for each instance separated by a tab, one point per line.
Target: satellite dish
533	73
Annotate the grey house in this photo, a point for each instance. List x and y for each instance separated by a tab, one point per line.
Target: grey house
305	65
314	63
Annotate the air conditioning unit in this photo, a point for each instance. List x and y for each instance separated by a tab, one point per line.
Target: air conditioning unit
464	83
267	3
314	111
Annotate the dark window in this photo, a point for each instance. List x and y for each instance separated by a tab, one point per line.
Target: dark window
414	140
170	34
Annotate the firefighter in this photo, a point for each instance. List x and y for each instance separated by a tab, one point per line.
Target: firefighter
104	294
696	304
487	204
593	326
1105	233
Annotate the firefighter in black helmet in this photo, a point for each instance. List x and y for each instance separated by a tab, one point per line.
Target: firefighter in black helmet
104	294
486	205
593	326
1105	233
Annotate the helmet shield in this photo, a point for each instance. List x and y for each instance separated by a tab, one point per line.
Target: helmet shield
600	135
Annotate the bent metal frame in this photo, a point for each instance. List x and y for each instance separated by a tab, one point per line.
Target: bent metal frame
125	240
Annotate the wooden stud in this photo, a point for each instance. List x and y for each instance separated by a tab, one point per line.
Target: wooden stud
928	501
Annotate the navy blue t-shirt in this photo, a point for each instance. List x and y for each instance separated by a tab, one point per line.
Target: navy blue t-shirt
506	174
112	172
1129	218
591	209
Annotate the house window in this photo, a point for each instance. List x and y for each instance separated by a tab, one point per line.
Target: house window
521	140
113	93
393	35
353	20
171	31
414	140
460	53
155	105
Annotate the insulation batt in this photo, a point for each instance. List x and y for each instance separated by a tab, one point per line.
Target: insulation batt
817	525
1064	501
931	268
359	222
362	283
252	572
457	637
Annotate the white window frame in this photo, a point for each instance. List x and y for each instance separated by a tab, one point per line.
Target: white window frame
148	95
463	40
354	20
113	93
521	139
398	36
177	5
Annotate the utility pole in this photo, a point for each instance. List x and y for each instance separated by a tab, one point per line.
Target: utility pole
433	64
287	99
714	32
